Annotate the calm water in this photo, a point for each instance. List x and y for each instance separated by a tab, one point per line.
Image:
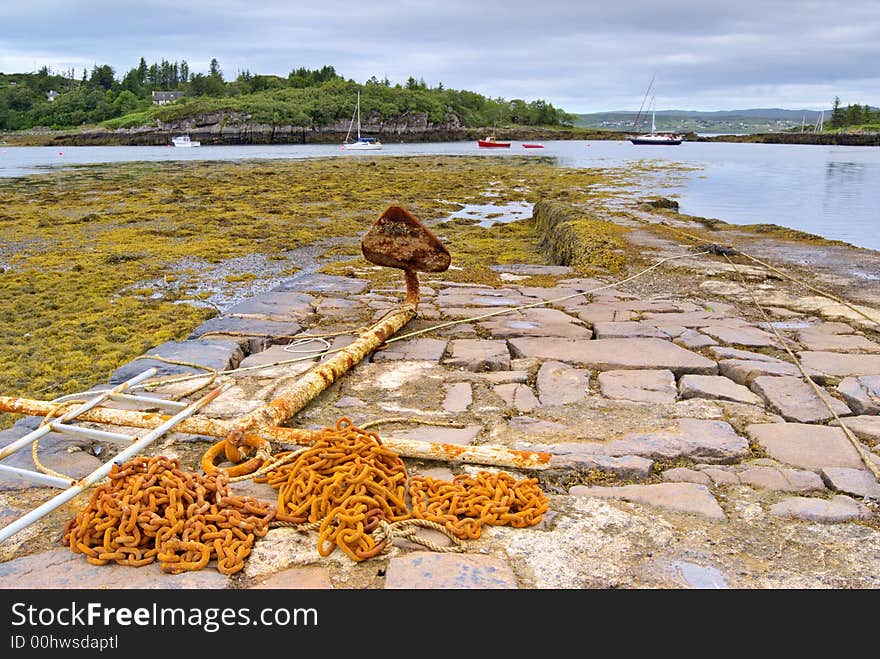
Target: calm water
832	191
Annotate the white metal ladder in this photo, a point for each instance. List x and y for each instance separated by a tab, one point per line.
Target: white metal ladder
62	425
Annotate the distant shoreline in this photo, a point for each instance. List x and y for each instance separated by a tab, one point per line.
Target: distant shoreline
246	134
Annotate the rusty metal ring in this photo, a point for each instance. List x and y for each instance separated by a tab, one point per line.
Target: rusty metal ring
212	457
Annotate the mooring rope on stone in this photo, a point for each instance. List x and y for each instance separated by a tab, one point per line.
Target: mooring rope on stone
773	268
863	454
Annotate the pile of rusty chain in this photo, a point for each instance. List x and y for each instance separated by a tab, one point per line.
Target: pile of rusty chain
348	484
466	504
150	509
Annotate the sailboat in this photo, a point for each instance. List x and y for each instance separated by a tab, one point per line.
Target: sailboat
361	143
653	137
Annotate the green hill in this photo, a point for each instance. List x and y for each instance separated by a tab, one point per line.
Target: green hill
766	120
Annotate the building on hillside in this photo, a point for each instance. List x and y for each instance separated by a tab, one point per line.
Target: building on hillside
51	95
164	98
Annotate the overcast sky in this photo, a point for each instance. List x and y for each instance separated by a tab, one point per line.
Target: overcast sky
581	56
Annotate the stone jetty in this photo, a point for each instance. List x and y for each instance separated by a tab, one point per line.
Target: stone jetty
687	449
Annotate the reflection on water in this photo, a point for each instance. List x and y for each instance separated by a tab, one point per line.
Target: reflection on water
832	191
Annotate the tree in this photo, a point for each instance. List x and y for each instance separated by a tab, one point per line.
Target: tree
214	70
854	115
102	76
142	72
837	117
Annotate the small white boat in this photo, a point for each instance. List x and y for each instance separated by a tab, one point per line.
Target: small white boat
361	143
184	141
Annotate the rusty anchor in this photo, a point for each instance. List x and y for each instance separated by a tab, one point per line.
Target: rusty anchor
396	240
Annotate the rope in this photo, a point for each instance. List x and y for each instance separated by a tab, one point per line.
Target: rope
35	445
863	454
407	419
213	373
773	268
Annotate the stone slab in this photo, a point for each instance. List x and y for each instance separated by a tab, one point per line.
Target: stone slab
742	336
685	475
796	400
52	453
478	355
459	397
780	479
247	327
627	330
505	377
323	284
824	340
806	446
428	350
517	395
529	269
743	372
680	497
310	577
716	387
217	355
862	394
536	322
639	386
421	570
561	384
696	439
840	365
725	352
692	339
863	427
840	508
438	434
571	455
857	482
278	305
615	354
62	569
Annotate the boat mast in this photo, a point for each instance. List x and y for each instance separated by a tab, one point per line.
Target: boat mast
637	120
358	110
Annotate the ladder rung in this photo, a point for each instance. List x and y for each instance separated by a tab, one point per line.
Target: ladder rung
38	476
159	402
91	433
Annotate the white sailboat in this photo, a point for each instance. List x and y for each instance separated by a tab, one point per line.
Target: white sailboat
361	143
652	137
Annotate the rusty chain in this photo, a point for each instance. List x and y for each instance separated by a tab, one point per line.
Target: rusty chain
466	504
347	485
350	485
150	509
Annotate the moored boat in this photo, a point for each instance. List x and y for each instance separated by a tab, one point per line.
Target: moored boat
490	142
184	141
361	143
533	146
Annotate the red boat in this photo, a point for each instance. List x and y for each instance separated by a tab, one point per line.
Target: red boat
492	142
533	146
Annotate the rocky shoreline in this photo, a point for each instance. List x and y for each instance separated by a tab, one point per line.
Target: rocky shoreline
687	449
236	129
